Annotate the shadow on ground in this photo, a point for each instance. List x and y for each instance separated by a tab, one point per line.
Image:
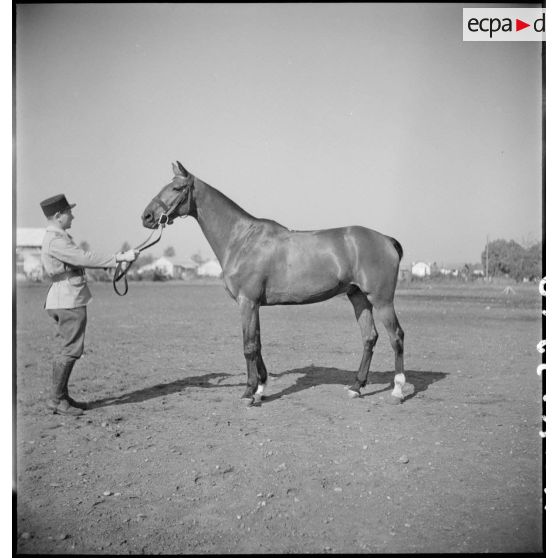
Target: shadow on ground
311	376
212	380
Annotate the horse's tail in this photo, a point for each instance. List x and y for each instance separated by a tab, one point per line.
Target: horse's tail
397	246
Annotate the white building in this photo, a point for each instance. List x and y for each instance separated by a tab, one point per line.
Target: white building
28	253
211	268
420	269
184	268
171	268
163	266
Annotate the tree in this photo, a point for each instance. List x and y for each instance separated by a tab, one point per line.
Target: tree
169	252
532	263
466	271
197	258
144	260
509	258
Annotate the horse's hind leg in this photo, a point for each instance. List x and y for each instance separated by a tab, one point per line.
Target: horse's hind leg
262	373
363	313
386	313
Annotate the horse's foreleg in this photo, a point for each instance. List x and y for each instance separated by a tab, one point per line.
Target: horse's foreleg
388	317
363	314
249	311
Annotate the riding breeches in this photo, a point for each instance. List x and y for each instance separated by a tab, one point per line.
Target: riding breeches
71	323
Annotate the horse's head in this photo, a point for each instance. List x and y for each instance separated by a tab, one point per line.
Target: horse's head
176	199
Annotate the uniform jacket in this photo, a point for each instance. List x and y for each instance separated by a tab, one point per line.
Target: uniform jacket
65	262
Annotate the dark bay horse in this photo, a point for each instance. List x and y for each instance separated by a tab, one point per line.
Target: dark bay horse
264	263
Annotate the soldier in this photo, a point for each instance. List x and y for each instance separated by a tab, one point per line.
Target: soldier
68	296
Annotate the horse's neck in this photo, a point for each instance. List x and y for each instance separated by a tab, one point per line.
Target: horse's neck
219	217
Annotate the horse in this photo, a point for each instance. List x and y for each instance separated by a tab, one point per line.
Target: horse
265	263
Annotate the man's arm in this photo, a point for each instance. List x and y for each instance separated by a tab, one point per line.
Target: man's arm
68	252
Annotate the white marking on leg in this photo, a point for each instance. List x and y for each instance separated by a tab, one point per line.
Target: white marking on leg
260	390
399	382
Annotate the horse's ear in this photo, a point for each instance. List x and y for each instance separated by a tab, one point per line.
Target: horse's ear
175	169
182	170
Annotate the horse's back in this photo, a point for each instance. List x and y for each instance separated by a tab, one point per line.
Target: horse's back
329	261
360	242
353	250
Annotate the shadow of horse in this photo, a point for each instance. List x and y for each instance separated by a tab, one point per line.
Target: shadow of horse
316	375
211	380
310	376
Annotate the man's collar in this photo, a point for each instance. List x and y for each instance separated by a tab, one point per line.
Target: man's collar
54	228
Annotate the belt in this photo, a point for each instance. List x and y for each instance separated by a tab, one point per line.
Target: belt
67	274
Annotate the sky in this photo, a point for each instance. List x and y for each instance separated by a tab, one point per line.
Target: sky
314	115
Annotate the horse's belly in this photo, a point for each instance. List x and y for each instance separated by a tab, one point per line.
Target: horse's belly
295	294
304	279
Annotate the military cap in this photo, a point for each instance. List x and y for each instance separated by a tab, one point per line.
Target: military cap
57	203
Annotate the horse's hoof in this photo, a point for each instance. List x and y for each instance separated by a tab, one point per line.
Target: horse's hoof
247	400
353	394
392	400
250	402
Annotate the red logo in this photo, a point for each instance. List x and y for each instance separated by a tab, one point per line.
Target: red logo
519	25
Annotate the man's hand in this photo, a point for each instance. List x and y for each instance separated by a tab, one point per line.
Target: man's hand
128	256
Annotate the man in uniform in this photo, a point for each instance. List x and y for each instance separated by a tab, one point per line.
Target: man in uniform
67	298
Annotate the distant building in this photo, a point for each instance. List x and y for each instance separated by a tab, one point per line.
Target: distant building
171	268
28	254
183	268
474	271
420	269
162	266
448	272
404	273
211	268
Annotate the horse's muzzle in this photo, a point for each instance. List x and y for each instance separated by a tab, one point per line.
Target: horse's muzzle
149	220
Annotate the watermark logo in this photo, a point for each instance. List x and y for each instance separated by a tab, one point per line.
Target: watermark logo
504	24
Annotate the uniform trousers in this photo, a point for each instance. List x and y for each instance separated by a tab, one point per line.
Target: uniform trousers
71	323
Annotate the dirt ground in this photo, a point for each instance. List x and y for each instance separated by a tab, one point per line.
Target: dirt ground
169	460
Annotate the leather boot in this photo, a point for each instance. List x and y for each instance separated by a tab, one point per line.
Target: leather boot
58	403
78	404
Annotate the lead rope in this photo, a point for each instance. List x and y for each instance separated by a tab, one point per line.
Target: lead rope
121	271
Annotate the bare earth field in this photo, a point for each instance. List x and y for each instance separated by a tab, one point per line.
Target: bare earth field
168	460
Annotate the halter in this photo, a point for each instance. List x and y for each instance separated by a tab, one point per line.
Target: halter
164	219
185	192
